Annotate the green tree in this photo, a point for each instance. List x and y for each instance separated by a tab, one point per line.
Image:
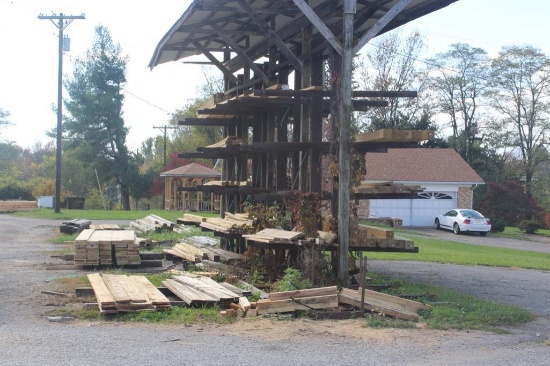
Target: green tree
520	89
458	78
4	121
95	128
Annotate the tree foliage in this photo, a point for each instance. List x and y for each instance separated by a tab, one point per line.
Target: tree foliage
508	202
392	66
4	121
520	89
459	79
95	128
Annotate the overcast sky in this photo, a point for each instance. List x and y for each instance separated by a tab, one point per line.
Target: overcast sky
29	58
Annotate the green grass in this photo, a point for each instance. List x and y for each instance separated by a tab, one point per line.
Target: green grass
450	309
44	213
440	251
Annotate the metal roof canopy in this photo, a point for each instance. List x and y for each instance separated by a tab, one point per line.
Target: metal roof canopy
244	27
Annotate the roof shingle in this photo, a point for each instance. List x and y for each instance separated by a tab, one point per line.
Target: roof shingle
419	165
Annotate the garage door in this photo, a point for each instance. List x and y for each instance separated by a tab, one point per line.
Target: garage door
415	212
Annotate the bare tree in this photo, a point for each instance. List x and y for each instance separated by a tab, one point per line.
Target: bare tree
392	65
520	90
458	78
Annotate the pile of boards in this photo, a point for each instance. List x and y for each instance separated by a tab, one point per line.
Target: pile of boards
365	236
191	253
106	247
152	223
204	291
330	298
273	236
74	226
122	293
230	224
17	205
387	188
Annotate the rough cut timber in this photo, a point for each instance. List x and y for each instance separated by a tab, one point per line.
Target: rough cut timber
106	247
382	303
13	206
122	293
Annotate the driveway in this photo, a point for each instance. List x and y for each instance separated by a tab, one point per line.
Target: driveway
27	337
533	243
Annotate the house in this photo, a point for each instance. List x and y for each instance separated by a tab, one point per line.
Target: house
448	180
179	188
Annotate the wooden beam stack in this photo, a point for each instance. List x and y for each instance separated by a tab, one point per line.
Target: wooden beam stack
200	290
307	299
122	293
16	205
106	247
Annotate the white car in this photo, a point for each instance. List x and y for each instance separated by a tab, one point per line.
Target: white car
463	220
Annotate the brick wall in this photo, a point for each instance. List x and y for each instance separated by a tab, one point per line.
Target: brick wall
464	199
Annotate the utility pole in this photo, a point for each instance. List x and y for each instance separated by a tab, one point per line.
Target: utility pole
165	128
63	22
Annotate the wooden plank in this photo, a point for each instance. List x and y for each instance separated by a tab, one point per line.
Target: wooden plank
303	303
116	289
187	293
351	297
405	304
102	293
281	234
244	303
153	294
321	291
208	286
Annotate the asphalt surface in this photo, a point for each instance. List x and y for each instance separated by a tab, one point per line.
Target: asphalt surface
27	337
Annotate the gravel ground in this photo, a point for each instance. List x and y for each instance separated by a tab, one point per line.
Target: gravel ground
26	336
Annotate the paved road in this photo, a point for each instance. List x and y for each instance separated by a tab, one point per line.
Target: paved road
27	338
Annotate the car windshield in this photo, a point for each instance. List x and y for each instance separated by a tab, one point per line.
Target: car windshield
471	214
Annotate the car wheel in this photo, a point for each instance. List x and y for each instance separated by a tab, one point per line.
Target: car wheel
456	228
482	233
437	226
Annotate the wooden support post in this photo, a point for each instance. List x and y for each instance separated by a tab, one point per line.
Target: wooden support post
344	148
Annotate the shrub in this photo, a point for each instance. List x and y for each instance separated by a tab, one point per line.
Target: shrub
292	280
529	226
497	226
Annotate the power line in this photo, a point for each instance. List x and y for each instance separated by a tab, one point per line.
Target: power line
63	22
146	101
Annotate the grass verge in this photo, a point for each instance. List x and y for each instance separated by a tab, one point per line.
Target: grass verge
46	213
450	309
440	251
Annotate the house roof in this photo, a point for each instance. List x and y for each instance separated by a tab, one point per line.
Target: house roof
192	170
420	165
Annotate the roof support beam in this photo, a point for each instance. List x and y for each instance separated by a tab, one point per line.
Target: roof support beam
216	62
321	27
273	37
380	24
238	50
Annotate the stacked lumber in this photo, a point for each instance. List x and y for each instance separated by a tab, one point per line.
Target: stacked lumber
105	227
152	223
387	188
74	226
382	303
275	236
228	141
394	222
200	291
122	293
365	236
288	301
390	135
13	206
106	247
227	183
194	254
230	224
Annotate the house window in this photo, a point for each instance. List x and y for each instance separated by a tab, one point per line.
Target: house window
434	195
